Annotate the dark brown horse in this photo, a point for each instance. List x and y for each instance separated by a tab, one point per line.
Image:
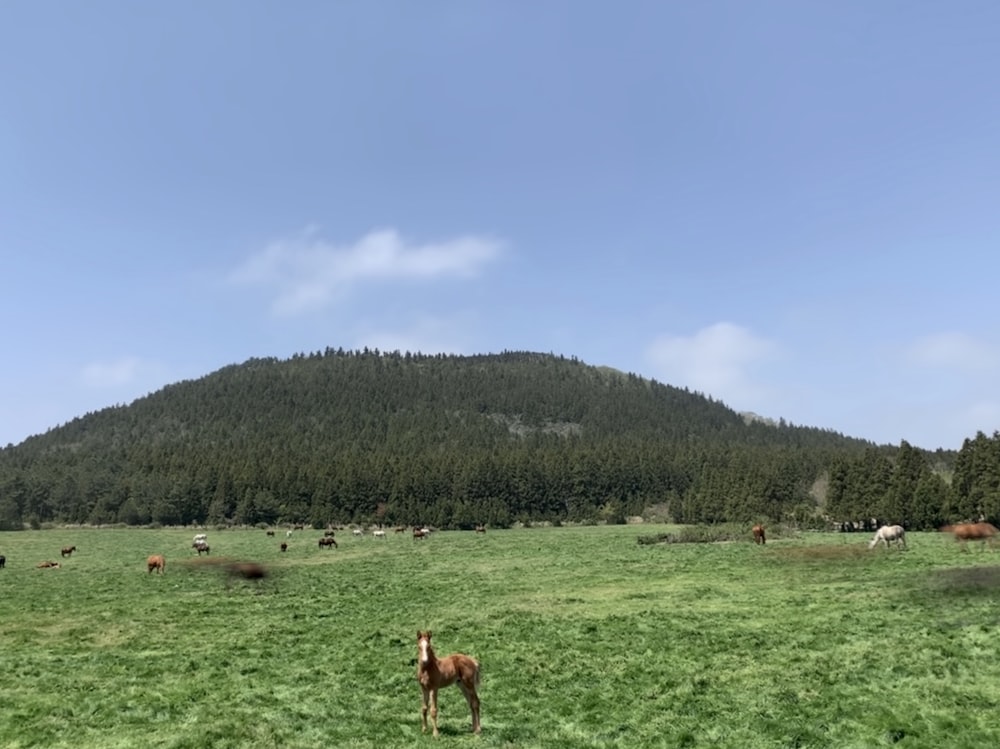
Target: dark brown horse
328	541
200	547
434	673
67	550
156	562
284	546
480	529
759	537
965	532
245	571
419	533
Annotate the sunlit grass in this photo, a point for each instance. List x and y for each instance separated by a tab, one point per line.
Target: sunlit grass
586	637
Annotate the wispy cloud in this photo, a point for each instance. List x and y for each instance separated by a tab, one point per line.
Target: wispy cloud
308	273
121	371
956	351
718	360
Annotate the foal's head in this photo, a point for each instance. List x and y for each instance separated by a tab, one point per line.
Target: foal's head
424	646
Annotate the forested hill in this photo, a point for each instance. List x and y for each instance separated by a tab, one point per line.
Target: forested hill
448	440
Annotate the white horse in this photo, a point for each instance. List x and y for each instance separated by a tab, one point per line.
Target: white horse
201	538
378	533
888	533
358	532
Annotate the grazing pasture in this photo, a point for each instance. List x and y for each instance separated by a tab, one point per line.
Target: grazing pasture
585	637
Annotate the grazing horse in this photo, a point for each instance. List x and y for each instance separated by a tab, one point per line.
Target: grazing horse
434	673
328	541
480	529
357	532
759	536
67	550
284	546
201	546
378	533
965	532
201	538
47	565
270	533
419	533
156	562
246	571
887	534
3	561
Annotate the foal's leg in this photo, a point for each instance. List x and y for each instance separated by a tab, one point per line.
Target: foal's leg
424	701
434	710
469	691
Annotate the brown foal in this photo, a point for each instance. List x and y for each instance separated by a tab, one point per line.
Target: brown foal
434	673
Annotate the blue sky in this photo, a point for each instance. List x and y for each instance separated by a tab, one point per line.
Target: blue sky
789	206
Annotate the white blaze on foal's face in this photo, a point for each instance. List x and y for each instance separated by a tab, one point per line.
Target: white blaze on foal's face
424	646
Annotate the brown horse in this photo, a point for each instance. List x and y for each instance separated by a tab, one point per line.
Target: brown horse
758	534
47	565
480	529
328	541
67	550
246	571
284	546
965	532
156	562
434	673
419	533
200	547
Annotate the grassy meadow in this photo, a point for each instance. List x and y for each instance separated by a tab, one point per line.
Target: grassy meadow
586	639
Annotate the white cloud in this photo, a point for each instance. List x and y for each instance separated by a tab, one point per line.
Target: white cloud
308	273
111	374
718	360
957	351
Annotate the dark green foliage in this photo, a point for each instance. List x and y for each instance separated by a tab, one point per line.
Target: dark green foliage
450	441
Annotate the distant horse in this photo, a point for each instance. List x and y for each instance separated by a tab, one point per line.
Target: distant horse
965	532
419	533
156	562
246	571
284	546
434	673
480	529
201	546
328	541
887	534
67	550
270	533
330	534
400	529
201	538
47	565
758	534
357	532
3	561
379	533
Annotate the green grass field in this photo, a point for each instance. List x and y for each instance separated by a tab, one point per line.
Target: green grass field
586	639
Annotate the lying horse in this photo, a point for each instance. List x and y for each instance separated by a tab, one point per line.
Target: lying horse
888	533
47	565
434	673
758	534
67	550
156	562
965	532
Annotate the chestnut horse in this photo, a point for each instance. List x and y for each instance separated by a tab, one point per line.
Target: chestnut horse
434	673
758	534
156	562
47	565
965	532
328	541
887	534
67	550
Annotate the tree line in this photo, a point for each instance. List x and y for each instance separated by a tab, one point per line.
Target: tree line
453	441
